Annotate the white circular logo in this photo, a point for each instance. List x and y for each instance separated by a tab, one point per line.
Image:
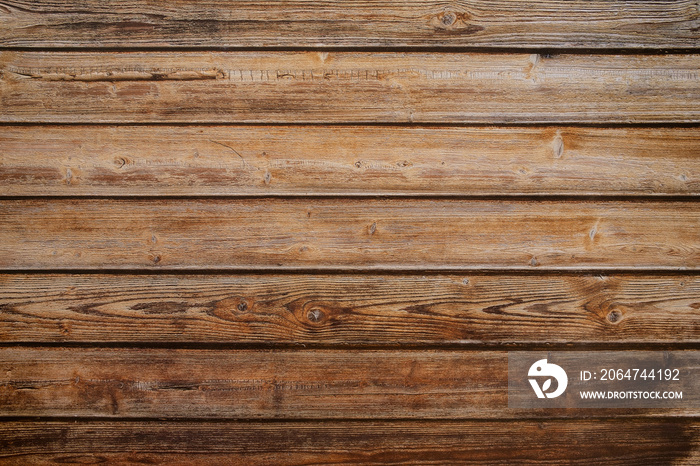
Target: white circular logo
542	368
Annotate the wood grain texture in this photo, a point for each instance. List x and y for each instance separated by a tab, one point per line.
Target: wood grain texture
281	384
471	23
322	87
350	309
513	442
342	160
348	233
320	250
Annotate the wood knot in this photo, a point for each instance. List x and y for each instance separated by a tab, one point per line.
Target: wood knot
312	313
448	18
451	21
614	316
315	315
223	308
64	328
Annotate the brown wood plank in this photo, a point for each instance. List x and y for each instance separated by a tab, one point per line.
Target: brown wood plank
580	442
350	309
305	23
282	384
348	233
342	160
321	87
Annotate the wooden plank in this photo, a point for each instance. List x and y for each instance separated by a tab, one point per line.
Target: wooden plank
347	234
350	309
343	160
305	23
580	442
322	87
282	384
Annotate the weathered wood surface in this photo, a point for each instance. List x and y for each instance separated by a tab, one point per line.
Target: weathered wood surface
282	384
322	87
272	233
474	23
350	309
293	315
629	442
342	160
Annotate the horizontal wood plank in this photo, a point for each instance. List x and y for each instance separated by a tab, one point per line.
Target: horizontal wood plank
283	384
322	87
347	233
305	23
350	309
580	442
342	160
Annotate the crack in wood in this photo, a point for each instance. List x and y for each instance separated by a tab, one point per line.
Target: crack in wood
124	74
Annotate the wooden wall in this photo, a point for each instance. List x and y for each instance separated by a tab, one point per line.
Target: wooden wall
302	232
